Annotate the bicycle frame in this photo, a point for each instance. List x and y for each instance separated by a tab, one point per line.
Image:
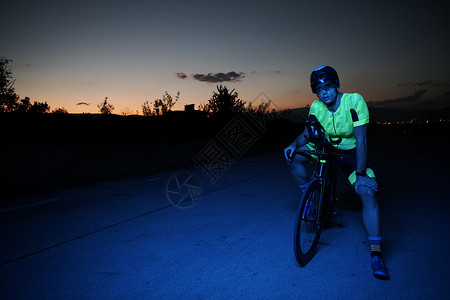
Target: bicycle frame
324	173
314	210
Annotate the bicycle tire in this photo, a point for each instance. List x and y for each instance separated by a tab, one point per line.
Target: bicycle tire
308	225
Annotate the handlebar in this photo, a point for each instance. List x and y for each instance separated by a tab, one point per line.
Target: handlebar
317	135
320	153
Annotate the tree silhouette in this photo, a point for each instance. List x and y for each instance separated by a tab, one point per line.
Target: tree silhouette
263	108
146	109
105	107
126	111
160	106
224	102
9	100
8	96
25	106
60	110
39	108
164	105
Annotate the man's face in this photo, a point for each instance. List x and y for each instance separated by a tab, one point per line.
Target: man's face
327	93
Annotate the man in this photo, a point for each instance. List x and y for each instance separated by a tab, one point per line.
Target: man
344	117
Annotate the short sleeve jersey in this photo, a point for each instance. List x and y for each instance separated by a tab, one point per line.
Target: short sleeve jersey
352	112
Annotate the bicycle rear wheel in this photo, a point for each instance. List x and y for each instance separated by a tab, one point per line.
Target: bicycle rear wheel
308	225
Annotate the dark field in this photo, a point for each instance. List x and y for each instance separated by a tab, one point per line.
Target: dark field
47	152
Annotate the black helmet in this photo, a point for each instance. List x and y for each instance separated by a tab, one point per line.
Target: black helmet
323	74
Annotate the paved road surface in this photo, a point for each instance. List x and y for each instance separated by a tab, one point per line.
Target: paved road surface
125	240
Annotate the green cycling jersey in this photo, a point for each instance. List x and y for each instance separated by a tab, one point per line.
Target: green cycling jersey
352	112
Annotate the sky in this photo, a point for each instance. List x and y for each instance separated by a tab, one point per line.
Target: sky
73	54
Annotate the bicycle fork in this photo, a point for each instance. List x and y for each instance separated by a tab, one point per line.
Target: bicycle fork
323	181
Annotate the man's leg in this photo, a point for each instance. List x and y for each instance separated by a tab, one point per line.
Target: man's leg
299	166
371	219
370	211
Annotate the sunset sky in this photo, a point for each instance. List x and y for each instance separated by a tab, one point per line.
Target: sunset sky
72	52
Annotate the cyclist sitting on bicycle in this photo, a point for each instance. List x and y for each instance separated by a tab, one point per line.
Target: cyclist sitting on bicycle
344	117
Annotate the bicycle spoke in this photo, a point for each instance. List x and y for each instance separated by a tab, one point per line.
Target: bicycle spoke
308	226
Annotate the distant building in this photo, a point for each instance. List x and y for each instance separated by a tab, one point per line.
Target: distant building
189	113
189	107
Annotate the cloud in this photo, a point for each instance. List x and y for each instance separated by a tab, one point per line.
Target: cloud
223	77
399	101
83	103
219	77
214	77
421	83
438	102
426	83
267	72
415	101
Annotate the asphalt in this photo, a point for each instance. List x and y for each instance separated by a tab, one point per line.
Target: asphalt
126	239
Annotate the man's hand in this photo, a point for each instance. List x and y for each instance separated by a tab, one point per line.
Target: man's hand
366	181
289	151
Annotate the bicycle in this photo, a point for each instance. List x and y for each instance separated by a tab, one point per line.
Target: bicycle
316	208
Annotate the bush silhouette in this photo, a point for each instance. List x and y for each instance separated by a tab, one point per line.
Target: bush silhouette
105	107
8	96
224	103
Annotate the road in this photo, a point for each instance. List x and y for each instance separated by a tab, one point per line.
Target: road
124	239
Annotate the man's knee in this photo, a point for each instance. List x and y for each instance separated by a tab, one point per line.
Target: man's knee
299	165
299	160
366	192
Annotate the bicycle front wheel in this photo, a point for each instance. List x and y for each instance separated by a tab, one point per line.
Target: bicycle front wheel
308	225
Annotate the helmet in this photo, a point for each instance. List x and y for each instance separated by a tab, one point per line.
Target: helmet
323	74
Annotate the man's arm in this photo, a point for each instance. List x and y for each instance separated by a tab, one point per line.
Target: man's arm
301	140
361	158
361	147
